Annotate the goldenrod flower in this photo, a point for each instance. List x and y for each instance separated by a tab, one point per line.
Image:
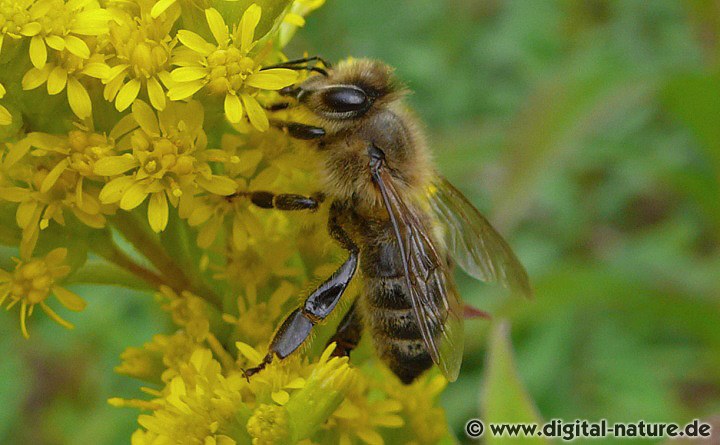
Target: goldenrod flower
33	281
269	425
162	161
423	419
227	68
165	141
160	6
67	70
257	319
358	417
51	180
188	311
199	405
17	22
141	61
57	25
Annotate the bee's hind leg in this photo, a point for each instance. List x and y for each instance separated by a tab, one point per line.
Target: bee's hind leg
297	326
348	333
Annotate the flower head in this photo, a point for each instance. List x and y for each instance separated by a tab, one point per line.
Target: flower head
47	175
161	162
141	59
33	281
229	67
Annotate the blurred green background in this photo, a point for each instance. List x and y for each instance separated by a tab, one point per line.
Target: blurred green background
587	131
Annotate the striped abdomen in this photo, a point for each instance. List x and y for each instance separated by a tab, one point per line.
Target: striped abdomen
389	313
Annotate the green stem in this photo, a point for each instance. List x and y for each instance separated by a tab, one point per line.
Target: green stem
109	274
120	258
152	249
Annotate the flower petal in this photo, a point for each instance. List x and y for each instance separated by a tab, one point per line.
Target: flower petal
78	98
38	52
127	94
53	175
188	73
248	23
160	7
134	196
52	314
272	79
97	70
145	117
217	26
114	165
16	152
69	299
249	352
34	77
77	46
194	42
158	211
233	108
280	397
55	42
255	112
114	190
5	116
57	80
185	90
216	184
156	94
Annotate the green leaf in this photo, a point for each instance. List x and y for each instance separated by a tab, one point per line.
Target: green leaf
695	100
504	397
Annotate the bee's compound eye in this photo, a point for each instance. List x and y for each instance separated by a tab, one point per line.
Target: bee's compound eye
342	99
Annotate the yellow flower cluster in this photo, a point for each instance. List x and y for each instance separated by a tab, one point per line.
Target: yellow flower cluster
140	165
206	398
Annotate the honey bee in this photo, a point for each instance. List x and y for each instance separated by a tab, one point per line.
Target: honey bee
401	223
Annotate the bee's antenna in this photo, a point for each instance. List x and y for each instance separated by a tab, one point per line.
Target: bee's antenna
303	64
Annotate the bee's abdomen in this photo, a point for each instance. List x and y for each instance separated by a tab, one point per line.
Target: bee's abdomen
397	336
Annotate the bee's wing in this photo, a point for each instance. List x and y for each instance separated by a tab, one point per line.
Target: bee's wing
474	244
435	301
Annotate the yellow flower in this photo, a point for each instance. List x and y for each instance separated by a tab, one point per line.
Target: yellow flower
360	417
199	405
162	161
161	6
423	419
142	58
60	26
5	116
257	320
67	70
17	22
33	281
146	363
49	182
188	311
269	425
226	68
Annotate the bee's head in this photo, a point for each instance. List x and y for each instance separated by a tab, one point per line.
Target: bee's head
348	91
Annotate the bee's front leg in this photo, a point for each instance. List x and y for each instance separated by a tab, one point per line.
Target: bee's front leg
297	326
281	201
299	131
